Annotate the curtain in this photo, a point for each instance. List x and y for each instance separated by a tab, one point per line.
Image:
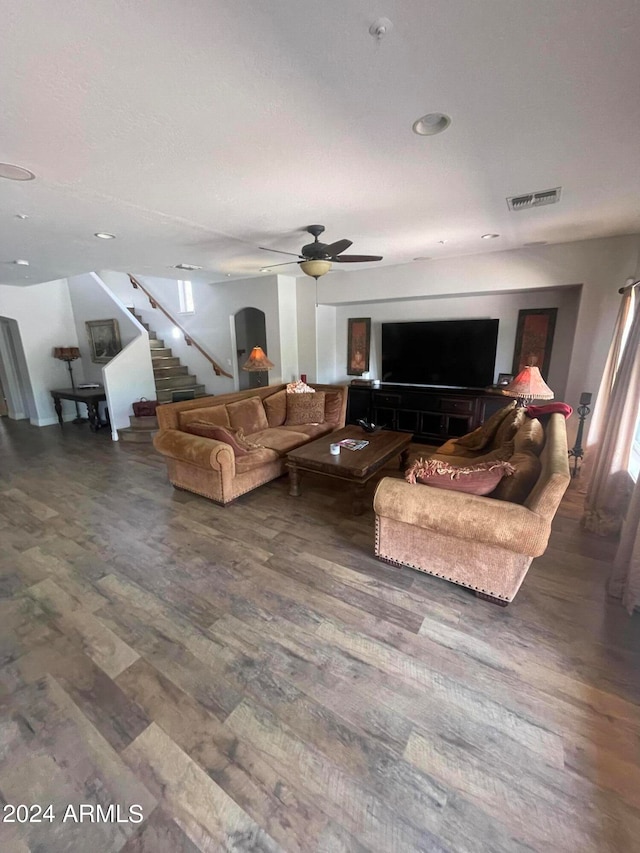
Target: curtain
624	582
613	427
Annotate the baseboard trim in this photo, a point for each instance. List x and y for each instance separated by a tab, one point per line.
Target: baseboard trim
42	422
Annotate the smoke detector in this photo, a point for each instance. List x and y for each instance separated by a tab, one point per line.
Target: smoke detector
537	199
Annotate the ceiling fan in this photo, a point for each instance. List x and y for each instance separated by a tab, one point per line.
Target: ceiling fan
315	258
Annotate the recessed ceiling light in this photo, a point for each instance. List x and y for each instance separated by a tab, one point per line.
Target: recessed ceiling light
265	269
187	267
21	216
228	275
104	236
431	124
442	242
490	236
15	173
21	262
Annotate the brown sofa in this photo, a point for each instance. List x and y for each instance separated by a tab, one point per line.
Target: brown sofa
209	467
485	543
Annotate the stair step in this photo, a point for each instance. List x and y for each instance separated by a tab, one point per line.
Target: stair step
155	343
153	336
147	422
169	370
165	360
184	381
165	396
161	352
142	436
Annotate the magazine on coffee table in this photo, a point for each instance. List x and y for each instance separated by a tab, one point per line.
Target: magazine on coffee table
353	443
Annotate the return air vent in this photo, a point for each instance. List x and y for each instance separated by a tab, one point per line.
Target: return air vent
522	202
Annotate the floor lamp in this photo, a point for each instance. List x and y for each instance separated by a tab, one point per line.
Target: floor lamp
70	354
258	363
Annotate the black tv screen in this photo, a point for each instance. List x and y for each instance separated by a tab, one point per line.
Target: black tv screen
440	352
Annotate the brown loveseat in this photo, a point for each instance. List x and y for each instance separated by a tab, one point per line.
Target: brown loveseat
486	543
210	467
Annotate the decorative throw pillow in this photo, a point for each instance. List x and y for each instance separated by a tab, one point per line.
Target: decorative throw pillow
233	437
478	479
299	387
549	409
305	408
248	415
481	437
276	408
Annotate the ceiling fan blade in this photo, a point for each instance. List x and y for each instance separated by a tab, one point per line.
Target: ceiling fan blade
265	249
334	249
286	264
356	259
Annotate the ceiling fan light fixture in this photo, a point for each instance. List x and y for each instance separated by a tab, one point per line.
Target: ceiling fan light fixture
431	123
15	173
316	268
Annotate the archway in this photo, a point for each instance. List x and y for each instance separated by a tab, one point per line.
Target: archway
251	331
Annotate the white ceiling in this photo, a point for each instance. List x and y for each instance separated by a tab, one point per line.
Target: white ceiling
198	131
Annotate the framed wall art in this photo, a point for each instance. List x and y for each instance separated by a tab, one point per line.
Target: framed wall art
104	340
359	341
534	339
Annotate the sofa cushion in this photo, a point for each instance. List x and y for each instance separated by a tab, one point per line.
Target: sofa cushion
210	415
484	435
473	479
248	415
310	430
508	427
529	437
279	439
234	438
305	408
255	459
333	407
275	407
516	489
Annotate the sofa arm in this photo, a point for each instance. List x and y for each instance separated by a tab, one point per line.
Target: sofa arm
203	452
462	516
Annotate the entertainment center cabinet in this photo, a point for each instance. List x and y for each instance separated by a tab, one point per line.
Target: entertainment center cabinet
432	414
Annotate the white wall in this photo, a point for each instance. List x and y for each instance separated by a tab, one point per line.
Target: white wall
45	320
287	321
306	326
91	301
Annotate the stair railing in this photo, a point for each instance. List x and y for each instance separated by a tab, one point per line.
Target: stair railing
219	371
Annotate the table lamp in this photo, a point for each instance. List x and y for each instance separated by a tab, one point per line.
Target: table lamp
527	386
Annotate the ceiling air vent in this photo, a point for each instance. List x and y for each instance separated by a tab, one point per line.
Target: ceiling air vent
522	202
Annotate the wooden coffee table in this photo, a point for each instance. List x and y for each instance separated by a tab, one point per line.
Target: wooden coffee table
354	466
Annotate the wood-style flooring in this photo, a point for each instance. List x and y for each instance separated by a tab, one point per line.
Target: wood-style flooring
253	679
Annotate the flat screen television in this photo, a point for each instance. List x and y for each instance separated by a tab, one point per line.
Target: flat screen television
446	353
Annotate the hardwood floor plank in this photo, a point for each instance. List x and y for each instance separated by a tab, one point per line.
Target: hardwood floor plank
208	816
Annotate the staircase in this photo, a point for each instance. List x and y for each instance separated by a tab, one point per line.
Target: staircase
170	376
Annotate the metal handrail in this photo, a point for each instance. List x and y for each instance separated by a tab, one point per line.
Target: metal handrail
219	371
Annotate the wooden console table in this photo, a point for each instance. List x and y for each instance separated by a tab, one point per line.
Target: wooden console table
91	397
